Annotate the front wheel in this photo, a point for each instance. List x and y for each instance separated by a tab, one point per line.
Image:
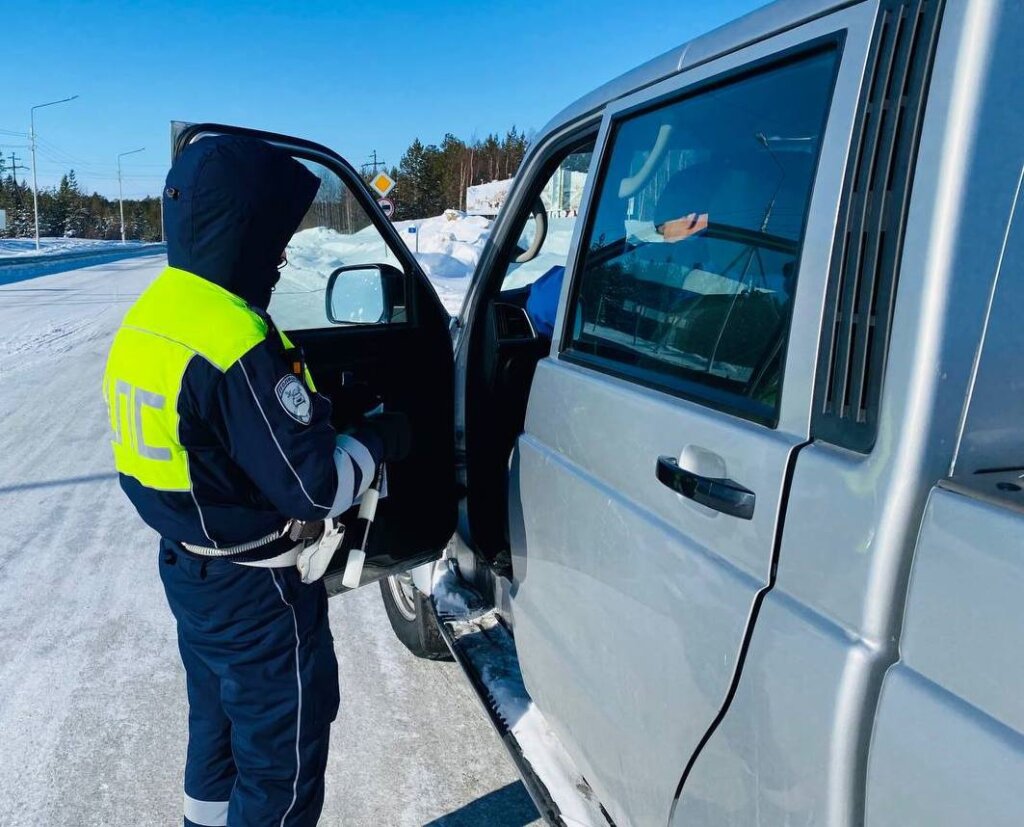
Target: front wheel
412	617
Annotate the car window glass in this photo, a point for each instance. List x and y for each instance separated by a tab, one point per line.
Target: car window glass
560	197
336	231
690	266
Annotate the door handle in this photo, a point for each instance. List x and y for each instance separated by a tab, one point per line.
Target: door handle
718	493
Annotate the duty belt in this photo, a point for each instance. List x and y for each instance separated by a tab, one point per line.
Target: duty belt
297	531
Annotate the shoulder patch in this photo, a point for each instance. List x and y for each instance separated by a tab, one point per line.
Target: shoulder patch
294	398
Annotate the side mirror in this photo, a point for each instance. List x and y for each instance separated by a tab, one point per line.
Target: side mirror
366	294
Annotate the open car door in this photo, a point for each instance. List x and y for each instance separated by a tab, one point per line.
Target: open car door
372	330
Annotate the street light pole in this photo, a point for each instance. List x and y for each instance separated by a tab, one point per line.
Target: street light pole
32	142
120	191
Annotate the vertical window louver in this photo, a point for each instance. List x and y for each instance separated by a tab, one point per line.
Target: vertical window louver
869	234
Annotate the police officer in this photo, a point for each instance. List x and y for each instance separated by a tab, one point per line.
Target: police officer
221	447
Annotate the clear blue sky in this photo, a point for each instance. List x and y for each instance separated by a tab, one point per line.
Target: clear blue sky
357	76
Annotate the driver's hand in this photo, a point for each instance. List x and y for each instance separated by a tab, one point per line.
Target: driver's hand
680	228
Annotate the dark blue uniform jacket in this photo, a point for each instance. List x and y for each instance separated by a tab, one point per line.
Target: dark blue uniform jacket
255	460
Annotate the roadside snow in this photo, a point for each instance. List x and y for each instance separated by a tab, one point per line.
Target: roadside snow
10	247
447	247
487	199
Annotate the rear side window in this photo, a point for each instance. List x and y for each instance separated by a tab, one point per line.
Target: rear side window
690	257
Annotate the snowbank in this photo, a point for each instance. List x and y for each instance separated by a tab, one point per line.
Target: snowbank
447	247
11	247
486	199
450	244
19	260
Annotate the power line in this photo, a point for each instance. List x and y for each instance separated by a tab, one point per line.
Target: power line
374	163
58	155
14	167
61	156
61	152
14	177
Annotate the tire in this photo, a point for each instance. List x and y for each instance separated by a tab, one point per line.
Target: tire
412	617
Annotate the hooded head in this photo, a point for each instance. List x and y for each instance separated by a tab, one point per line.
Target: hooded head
230	206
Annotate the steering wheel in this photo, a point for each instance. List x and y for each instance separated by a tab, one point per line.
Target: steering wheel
539	214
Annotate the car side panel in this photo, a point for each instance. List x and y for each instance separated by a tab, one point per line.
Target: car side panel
949	740
938	761
771	760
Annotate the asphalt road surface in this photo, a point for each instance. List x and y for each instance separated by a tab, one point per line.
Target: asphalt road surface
92	694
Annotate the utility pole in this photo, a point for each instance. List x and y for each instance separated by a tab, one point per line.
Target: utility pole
14	175
374	163
120	189
32	143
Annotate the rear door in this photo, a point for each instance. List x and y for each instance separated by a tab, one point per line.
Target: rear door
382	337
660	433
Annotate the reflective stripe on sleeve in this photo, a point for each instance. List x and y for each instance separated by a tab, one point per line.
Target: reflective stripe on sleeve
344	495
361	456
355	472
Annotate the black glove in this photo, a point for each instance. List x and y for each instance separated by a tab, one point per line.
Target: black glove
392	428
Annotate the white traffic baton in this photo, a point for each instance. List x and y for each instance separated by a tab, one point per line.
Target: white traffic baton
367	511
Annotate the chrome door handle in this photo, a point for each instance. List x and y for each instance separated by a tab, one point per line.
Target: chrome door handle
718	493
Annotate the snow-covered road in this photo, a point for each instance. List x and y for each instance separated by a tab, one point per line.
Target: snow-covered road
92	701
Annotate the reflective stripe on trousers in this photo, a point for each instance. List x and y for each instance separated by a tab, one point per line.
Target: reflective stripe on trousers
205	813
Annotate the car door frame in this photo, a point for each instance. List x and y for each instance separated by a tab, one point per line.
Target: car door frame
485	285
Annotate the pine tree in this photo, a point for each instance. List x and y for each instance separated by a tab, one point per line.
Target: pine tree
411	181
66	207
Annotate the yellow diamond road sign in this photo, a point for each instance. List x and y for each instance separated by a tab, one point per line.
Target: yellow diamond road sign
382	184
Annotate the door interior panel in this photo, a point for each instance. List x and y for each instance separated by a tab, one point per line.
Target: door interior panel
510	353
409	368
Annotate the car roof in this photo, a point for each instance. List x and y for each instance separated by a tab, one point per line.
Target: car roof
756	25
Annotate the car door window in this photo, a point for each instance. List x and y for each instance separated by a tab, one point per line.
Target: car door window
560	197
690	260
336	231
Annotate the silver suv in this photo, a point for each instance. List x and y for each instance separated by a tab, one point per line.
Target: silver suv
738	529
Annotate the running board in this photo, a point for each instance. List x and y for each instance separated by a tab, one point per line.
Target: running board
486	651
